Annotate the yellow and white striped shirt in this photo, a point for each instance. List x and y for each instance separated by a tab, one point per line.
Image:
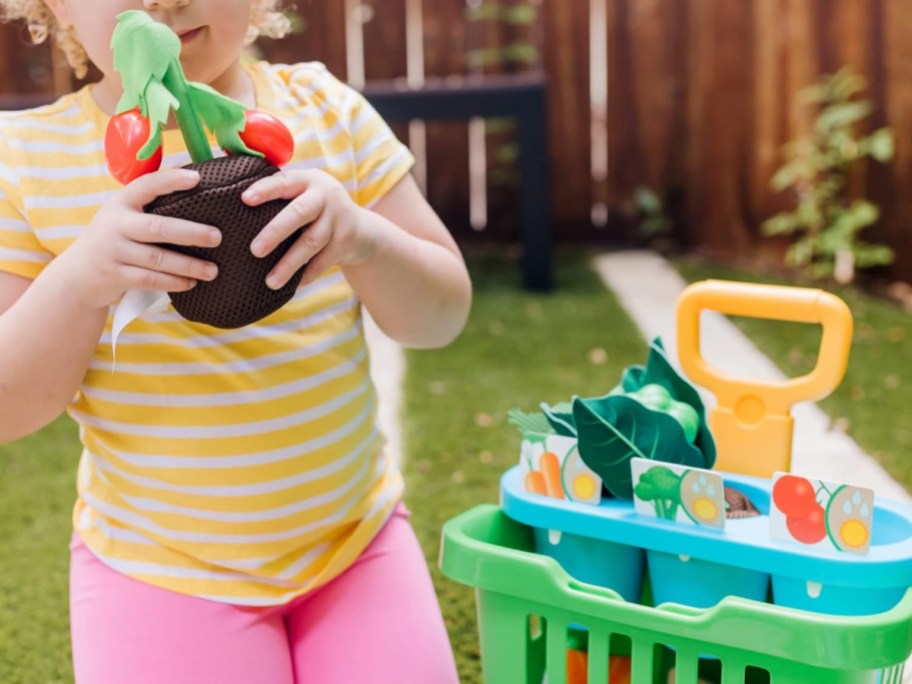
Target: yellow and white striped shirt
245	465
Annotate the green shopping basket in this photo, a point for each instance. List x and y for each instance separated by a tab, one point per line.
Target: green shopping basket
529	610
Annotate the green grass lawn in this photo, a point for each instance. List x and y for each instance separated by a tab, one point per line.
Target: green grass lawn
872	403
37	489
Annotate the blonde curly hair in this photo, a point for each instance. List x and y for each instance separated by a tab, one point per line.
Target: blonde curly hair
267	20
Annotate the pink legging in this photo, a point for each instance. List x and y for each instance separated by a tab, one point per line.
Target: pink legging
377	623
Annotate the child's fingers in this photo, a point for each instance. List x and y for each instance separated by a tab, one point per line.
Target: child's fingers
325	259
301	211
311	243
152	185
167	261
152	228
282	185
144	279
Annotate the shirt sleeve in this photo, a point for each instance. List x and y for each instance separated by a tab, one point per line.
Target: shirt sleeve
20	251
381	160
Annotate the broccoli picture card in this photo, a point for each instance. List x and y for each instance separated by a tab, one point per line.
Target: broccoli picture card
691	496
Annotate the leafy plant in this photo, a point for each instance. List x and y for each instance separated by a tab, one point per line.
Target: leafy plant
615	428
651	216
518	52
828	220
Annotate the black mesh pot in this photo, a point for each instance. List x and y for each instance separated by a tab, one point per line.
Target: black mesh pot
239	295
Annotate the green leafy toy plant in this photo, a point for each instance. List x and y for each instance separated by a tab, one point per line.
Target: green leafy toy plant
658	398
147	57
653	413
828	220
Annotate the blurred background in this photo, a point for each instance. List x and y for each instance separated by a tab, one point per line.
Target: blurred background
665	118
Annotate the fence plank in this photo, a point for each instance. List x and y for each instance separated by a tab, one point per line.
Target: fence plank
445	50
384	40
322	38
566	42
897	56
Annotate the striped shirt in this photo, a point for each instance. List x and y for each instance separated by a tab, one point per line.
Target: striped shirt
243	465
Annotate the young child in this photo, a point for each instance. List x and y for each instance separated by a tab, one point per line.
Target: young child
237	517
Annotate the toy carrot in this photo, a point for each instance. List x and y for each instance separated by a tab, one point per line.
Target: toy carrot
550	468
535	483
578	668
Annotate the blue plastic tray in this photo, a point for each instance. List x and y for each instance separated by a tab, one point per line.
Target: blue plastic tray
699	566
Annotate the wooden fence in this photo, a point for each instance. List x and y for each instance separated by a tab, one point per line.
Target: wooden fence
691	98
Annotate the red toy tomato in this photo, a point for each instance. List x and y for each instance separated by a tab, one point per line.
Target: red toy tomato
124	137
810	529
794	496
266	134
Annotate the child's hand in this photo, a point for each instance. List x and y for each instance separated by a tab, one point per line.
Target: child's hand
117	251
334	233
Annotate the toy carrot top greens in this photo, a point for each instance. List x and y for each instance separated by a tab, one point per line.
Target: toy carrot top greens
147	56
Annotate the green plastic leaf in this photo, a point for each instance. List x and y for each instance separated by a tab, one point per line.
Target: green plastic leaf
147	57
659	370
560	417
535	423
632	379
143	53
223	116
616	428
158	102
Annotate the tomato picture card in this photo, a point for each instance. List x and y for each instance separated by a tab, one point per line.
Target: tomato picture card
691	496
821	514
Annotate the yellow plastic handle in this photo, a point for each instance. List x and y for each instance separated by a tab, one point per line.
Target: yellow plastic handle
752	424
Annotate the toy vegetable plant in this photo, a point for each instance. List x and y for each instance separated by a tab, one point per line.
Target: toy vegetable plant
653	413
658	398
147	56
